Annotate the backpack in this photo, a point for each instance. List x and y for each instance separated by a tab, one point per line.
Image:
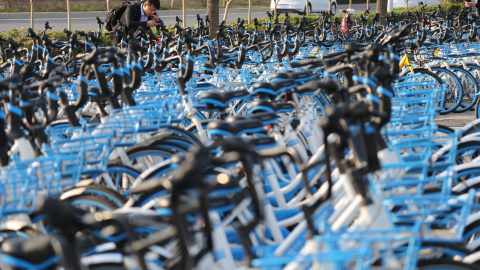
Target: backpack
114	15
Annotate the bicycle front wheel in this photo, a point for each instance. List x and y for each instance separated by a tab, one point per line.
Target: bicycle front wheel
469	86
454	94
444	264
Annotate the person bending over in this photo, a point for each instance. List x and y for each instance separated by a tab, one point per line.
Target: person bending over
139	14
468	3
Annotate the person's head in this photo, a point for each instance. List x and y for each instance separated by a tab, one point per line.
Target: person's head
150	7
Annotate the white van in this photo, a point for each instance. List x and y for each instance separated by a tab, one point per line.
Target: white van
298	6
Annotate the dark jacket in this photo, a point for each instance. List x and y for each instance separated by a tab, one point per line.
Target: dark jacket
131	17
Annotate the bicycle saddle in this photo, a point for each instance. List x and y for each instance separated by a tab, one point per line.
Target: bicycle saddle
267	118
262	142
236	128
296	75
220	100
263	105
36	251
273	88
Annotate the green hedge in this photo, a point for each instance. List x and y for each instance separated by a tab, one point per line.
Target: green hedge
18	34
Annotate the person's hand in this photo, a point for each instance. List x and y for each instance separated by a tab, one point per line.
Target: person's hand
469	4
152	23
155	18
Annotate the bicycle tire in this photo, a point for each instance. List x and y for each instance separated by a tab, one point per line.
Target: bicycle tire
444	264
175	143
469	150
108	194
467	173
475	71
89	202
465	152
473	127
184	133
144	157
107	267
430	74
454	94
477	110
321	103
470	89
444	130
471	231
118	174
159	172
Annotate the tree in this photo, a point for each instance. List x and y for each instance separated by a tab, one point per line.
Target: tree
275	10
31	14
249	11
382	9
184	17
108	5
212	12
69	19
226	10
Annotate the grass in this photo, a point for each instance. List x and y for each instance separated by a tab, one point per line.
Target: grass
102	6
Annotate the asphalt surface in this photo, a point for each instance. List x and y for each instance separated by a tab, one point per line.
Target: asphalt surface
455	120
86	21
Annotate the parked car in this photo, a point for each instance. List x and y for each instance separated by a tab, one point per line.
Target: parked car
299	6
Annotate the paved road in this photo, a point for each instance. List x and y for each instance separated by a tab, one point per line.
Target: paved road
86	20
455	120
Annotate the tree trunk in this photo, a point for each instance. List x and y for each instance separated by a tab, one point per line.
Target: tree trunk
171	4
184	17
249	11
275	10
330	7
307	12
108	5
350	4
69	18
368	4
382	9
226	10
31	14
212	12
